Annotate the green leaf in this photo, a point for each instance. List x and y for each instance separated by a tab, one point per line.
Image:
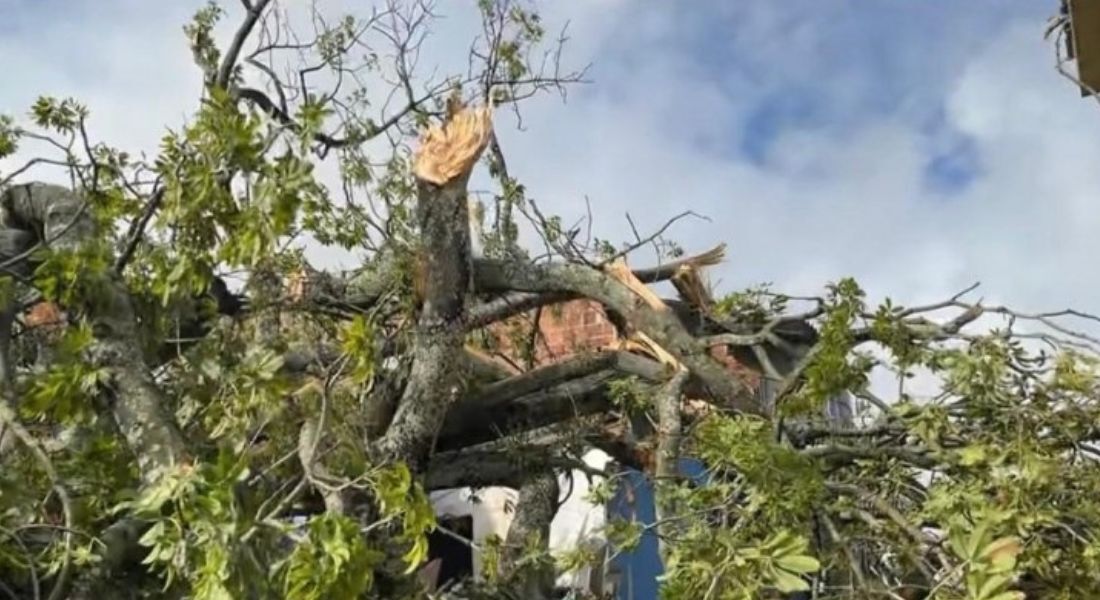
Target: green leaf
972	455
786	582
798	564
1008	596
1002	553
992	585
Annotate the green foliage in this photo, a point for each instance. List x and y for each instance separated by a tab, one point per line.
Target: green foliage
833	367
63	116
200	34
492	551
782	484
75	278
9	136
358	343
402	499
624	534
740	570
754	306
197	526
66	392
251	392
999	461
989	563
333	561
630	394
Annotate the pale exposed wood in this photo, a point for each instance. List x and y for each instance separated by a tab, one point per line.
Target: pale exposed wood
689	283
490	361
44	314
619	270
298	284
658	352
449	151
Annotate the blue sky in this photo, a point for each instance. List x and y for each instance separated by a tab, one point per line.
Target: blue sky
798	127
918	146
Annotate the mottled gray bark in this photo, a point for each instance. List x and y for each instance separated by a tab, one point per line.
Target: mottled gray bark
61	220
530	531
435	381
542	397
667	469
506	467
661	325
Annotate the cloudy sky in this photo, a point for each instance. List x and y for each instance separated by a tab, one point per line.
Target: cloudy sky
918	146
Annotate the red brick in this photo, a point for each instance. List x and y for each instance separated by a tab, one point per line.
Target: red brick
581	325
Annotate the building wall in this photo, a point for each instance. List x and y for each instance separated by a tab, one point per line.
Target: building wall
566	329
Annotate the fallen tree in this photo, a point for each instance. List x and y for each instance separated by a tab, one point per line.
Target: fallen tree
160	433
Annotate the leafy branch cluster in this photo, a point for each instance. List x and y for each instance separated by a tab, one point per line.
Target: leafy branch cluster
202	414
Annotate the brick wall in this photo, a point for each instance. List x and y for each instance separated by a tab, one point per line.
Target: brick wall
577	326
566	329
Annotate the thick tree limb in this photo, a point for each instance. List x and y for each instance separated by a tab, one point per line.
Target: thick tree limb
535	510
61	217
229	61
845	454
663	327
690	286
479	468
512	304
495	395
669	435
366	288
547	395
442	168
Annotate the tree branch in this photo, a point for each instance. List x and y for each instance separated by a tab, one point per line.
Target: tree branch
669	435
662	326
229	61
138	406
541	397
137	230
442	168
535	509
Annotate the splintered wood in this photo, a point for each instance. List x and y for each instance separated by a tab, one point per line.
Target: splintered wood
620	271
449	151
298	285
710	258
689	284
44	314
638	340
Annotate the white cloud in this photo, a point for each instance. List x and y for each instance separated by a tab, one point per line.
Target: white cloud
655	135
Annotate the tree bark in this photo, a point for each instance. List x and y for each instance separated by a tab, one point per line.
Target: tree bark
660	325
64	222
669	436
442	168
530	529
